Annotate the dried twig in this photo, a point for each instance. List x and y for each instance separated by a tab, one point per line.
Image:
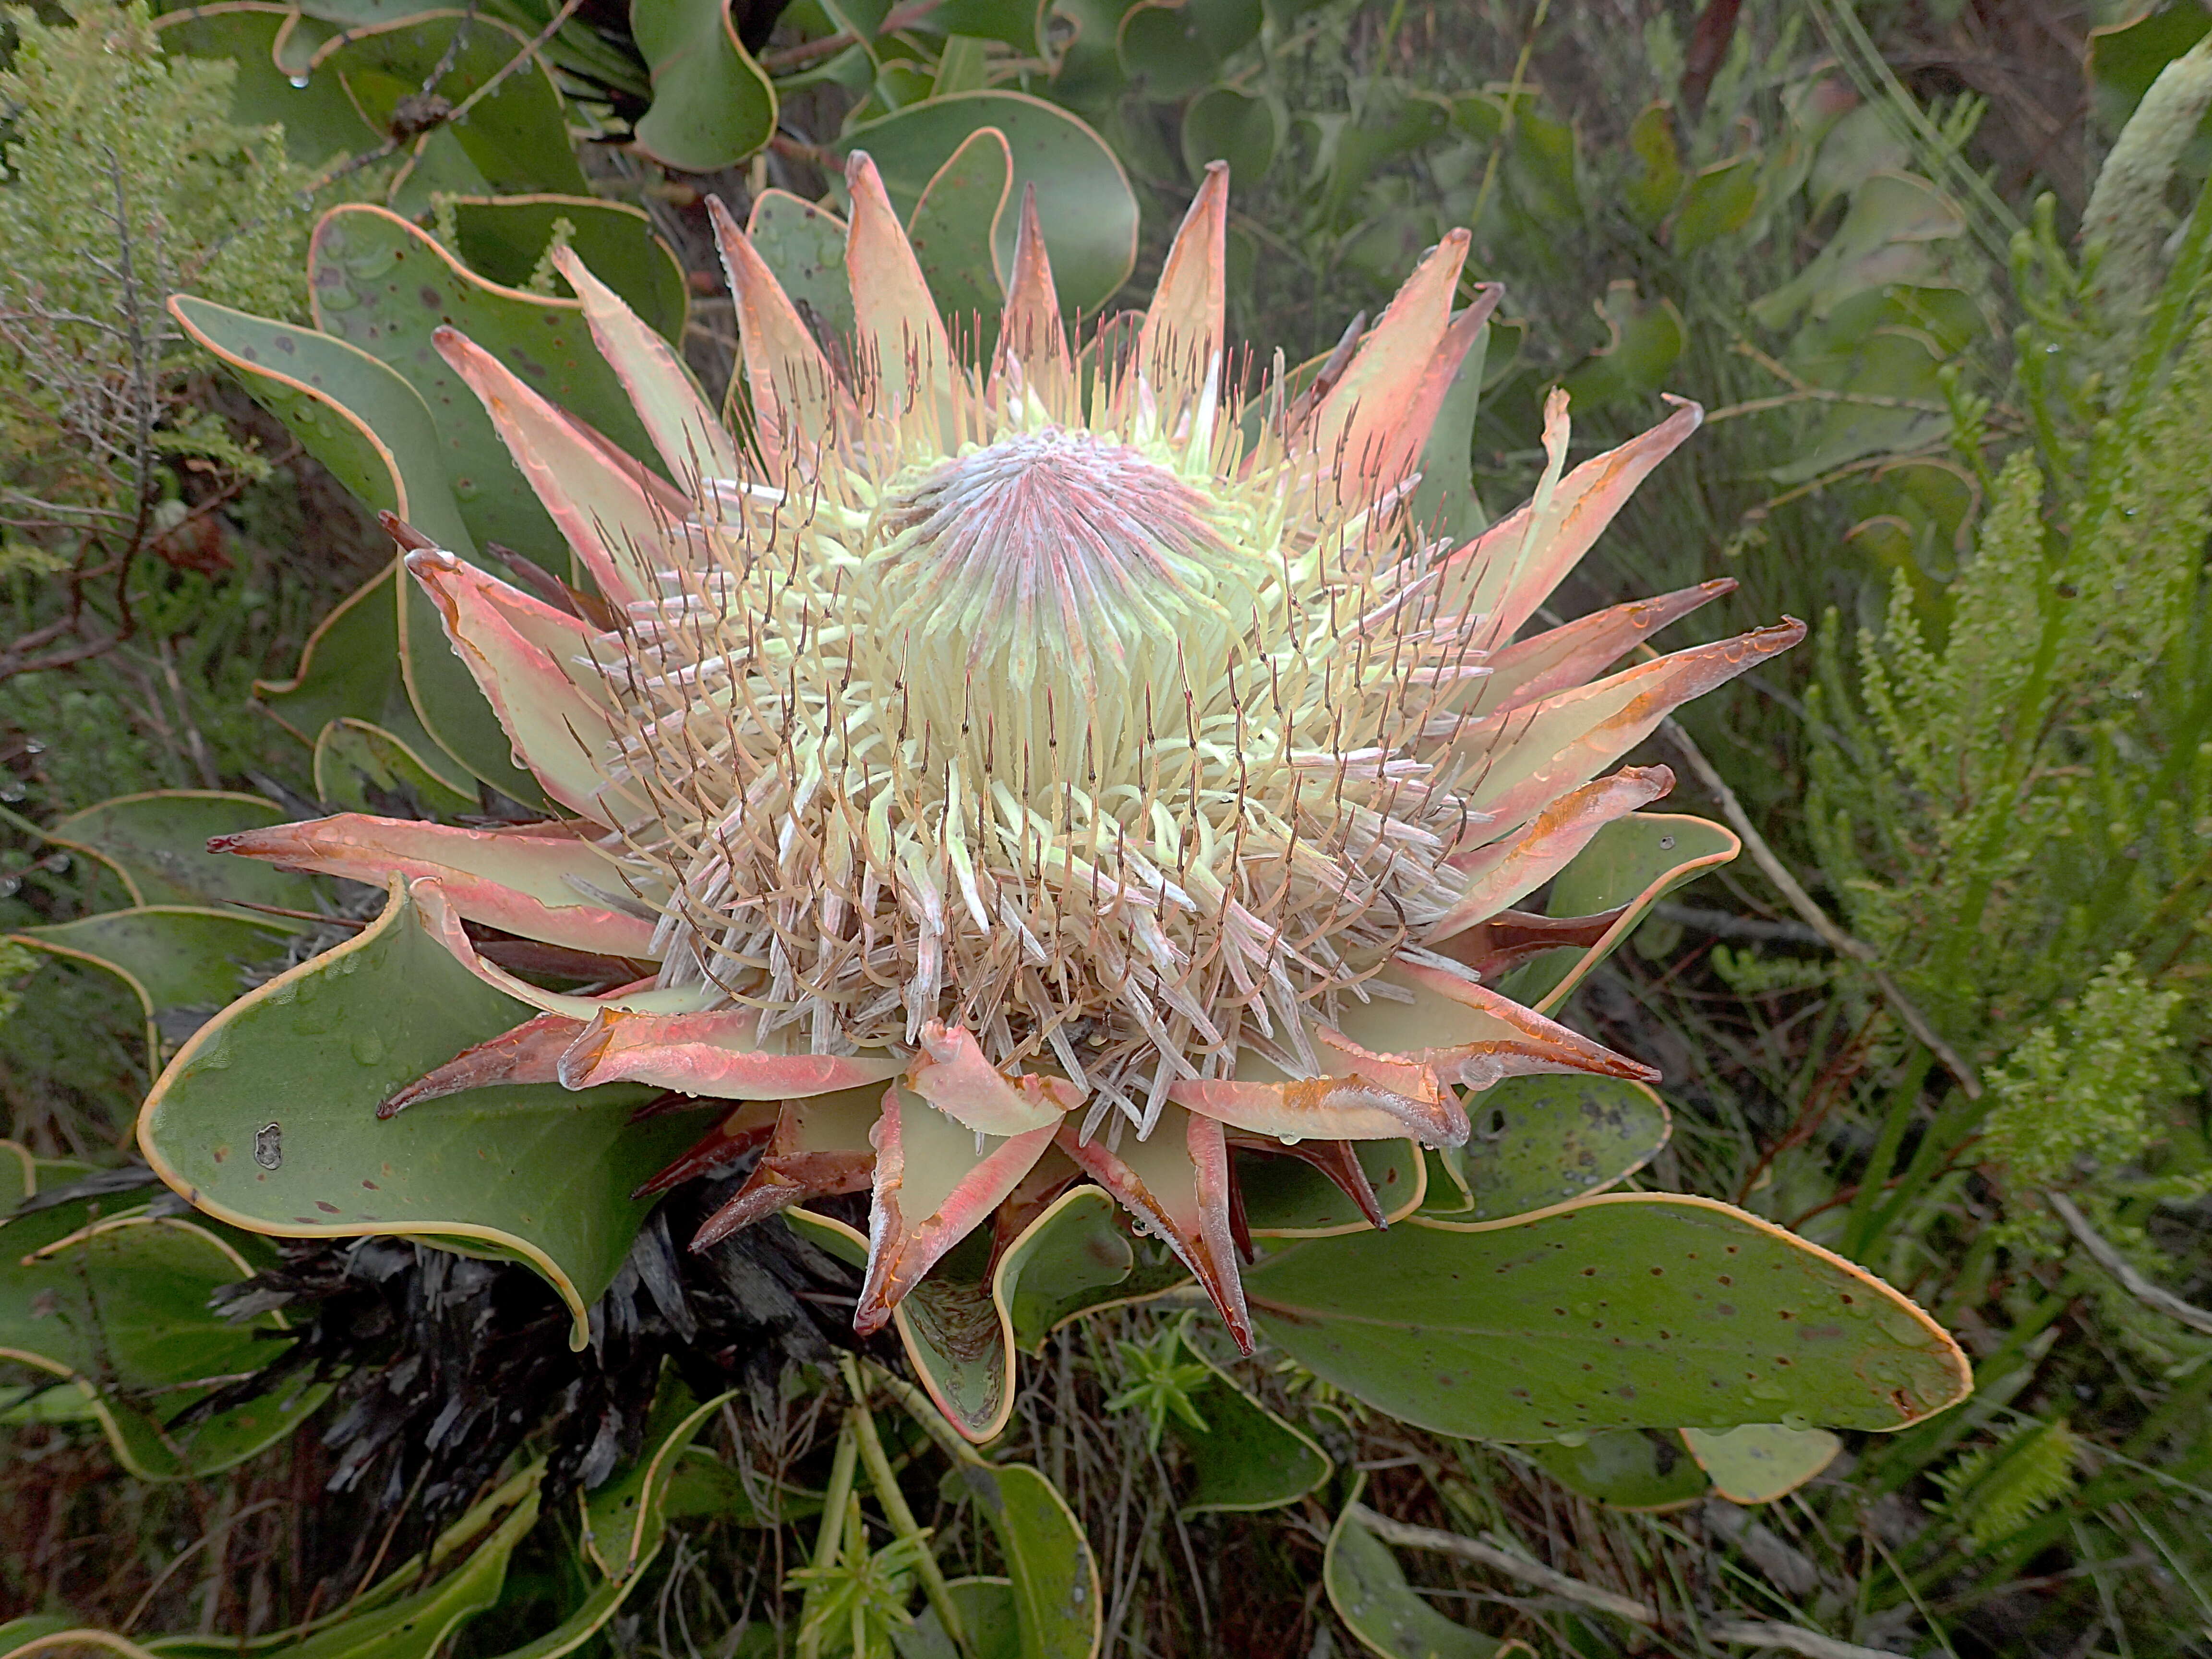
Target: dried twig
2107	1257
1483	1551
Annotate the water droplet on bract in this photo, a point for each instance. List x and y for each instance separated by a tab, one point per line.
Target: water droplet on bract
1768	1388
1796	1421
467	489
1666	843
1899	1326
298	81
269	1147
367	1046
1291	1141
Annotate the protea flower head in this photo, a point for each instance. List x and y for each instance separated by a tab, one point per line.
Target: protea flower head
1009	767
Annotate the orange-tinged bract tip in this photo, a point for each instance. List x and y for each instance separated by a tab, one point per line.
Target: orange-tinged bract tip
1044	750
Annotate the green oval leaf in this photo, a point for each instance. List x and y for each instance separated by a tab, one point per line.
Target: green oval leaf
1240	128
350	669
97	1290
952	231
805	246
320	121
623	1520
1634	861
711	105
1368	1588
362	768
1635	1310
373	430
1055	1575
1718	202
1249	1458
1171	48
386	286
180	961
1287	1199
1077	1258
987	1618
266	1119
1761	1461
504	237
1084	204
515	138
1539	1142
1646	1470
157	843
955	1331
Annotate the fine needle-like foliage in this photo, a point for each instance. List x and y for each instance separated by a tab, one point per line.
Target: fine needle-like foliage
2013	803
123	180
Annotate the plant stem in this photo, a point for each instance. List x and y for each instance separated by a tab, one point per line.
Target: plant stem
829	1542
2103	1251
880	1475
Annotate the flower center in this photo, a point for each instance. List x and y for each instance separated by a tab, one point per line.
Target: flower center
1040	594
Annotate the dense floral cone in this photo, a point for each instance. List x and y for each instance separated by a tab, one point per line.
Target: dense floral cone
1043	751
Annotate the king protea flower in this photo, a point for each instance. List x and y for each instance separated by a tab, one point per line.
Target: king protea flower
999	753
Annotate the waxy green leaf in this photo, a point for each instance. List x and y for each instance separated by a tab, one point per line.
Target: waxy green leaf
987	1618
515	138
157	843
364	420
1055	1577
1171	48
177	960
1538	1141
711	105
1634	861
504	237
1645	1469
1084	204
320	123
100	1292
1248	1458
625	1519
1079	1257
360	767
952	229
266	1119
1634	1311
1761	1461
1368	1588
955	1332
805	246
384	285
1224	124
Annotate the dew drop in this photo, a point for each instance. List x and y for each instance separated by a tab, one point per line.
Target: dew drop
369	1047
1796	1421
1900	1327
298	81
1572	1437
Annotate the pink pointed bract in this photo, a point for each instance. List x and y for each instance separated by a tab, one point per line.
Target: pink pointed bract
1042	750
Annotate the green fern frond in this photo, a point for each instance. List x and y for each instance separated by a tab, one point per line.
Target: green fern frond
1994	1491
